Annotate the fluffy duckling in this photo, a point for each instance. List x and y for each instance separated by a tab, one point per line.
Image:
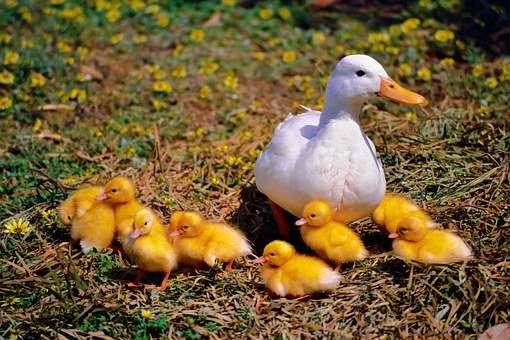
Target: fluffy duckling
92	222
289	273
119	192
330	239
197	240
150	249
393	207
414	240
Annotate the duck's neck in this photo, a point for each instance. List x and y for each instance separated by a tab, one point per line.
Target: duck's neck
338	108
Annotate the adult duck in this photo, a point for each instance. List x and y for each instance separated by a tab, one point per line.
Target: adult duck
326	155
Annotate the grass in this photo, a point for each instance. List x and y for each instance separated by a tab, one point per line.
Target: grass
193	147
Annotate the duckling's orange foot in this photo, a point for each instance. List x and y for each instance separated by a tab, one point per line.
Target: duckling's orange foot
164	283
48	252
228	268
338	267
279	217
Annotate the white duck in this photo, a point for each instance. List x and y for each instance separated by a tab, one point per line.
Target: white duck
326	155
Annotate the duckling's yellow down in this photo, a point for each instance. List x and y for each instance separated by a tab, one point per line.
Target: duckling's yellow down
329	239
289	273
92	222
197	240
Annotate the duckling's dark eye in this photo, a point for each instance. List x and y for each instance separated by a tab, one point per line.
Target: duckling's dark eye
185	227
403	230
312	215
360	73
114	190
69	218
146	223
271	254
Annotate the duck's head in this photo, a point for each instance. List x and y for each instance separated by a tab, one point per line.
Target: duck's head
277	253
66	211
118	190
357	78
143	222
410	228
315	214
185	224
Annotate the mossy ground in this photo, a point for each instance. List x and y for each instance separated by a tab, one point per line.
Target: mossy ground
181	97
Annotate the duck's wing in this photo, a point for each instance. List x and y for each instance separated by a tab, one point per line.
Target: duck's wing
275	164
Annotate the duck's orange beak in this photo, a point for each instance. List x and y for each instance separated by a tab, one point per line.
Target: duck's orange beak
135	234
393	235
261	260
301	221
102	196
391	90
175	233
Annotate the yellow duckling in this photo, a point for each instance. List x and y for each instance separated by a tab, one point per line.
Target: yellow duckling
416	241
92	222
330	239
197	240
119	192
289	273
150	249
393	207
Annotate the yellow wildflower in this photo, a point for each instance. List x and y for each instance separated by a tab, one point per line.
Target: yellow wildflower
484	109
117	38
318	38
20	226
73	13
25	14
234	160
477	70
56	2
215	181
139	38
405	70
378	38
158	74
11	57
6	77
266	13
222	148
411	116
505	71
230	81
410	25
64	47
37	80
152	9
392	50
460	44
289	57
5	38
5	103
197	35
82	51
285	13
179	71
37	125
491	82
259	55
444	35
446	62
137	4
27	43
205	92
394	30
162	19
158	104
113	15
177	50
424	74
229	2
77	94
11	3
208	67
162	87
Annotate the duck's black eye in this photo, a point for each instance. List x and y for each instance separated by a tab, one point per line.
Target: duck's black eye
271	254
360	73
312	215
114	190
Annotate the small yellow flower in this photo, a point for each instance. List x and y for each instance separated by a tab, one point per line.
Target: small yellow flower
424	74
485	109
444	35
179	71
152	9
289	57
222	148
27	43
233	160
64	47
25	14
78	94
162	87
158	104
162	19
37	125
405	70
230	81
56	2
259	55
5	103
215	181
266	13
82	51
137	4
447	62
477	70
6	77
410	25
20	226
318	38
113	15
229	2
460	44
378	38
139	38
5	38
69	60
285	13
177	50
411	116
491	82
208	67
205	92
11	57
117	38
11	3
37	80
392	50
197	35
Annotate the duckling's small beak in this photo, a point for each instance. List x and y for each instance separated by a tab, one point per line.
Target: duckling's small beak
102	196
175	233
134	234
261	260
301	221
389	89
393	235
